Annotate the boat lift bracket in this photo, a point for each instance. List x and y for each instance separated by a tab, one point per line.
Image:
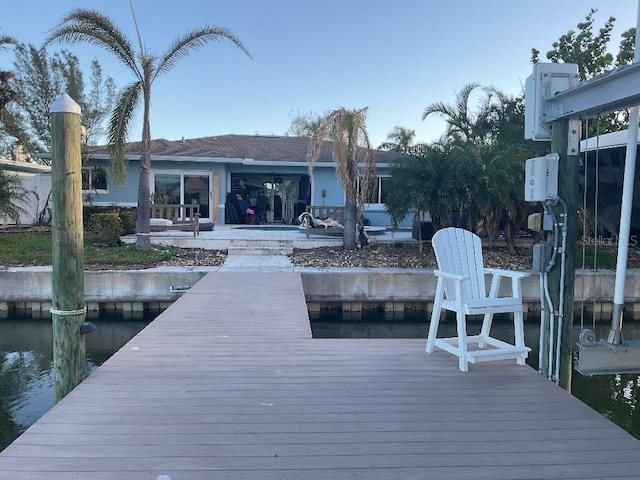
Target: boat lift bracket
553	92
600	357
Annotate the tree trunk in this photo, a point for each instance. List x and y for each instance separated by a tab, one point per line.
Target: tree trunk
143	219
143	222
510	236
492	224
419	220
349	238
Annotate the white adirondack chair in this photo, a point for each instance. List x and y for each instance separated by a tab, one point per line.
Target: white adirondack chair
461	288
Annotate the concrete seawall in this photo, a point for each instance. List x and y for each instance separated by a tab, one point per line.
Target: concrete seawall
28	290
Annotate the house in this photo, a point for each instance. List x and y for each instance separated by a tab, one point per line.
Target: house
36	179
211	170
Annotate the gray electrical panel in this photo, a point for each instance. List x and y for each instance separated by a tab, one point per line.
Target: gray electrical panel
541	256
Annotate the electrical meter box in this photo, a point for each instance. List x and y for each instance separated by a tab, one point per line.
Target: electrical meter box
541	256
541	178
546	81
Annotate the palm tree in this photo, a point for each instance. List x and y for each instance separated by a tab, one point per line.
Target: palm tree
354	159
503	158
400	140
6	92
425	183
490	154
461	122
13	196
92	27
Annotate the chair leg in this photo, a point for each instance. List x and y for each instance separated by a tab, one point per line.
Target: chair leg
518	331
435	317
461	325
485	331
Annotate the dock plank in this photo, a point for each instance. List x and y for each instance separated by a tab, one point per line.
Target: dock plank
229	383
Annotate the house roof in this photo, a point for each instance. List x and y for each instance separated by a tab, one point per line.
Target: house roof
24	167
257	147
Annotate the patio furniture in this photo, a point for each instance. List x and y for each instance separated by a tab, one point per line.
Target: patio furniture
176	217
461	288
322	220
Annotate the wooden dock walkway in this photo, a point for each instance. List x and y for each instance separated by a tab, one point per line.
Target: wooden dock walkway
229	384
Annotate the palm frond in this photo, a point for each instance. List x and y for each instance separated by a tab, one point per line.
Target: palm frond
351	153
7	40
135	23
462	98
320	129
193	40
89	26
460	122
118	129
438	108
400	140
13	196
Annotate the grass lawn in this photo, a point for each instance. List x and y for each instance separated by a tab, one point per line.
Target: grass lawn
34	248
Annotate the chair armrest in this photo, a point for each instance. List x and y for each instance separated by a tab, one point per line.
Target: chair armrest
506	273
450	276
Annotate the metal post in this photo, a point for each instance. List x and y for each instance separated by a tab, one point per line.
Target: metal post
68	306
615	333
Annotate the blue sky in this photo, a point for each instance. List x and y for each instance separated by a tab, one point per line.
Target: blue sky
313	56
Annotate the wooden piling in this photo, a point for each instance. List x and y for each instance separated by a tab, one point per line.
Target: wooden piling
568	177
68	307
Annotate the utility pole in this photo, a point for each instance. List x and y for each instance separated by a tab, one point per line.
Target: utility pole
68	306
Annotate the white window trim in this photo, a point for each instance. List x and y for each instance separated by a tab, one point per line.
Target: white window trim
377	205
181	174
95	190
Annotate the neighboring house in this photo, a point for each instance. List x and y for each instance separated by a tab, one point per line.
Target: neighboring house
36	178
211	170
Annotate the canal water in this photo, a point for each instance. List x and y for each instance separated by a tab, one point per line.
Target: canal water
26	378
26	366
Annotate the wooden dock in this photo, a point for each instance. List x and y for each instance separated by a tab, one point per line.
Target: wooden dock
229	384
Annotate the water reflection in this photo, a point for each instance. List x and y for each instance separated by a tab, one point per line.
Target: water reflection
26	366
614	396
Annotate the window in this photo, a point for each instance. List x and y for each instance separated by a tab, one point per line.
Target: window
166	188
94	179
379	192
382	189
178	188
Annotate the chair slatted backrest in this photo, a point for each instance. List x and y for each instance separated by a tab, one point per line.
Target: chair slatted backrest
459	251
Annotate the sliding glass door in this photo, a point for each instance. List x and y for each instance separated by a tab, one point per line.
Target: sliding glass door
183	188
196	190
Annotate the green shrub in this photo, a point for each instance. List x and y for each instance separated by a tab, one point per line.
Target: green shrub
108	227
128	217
